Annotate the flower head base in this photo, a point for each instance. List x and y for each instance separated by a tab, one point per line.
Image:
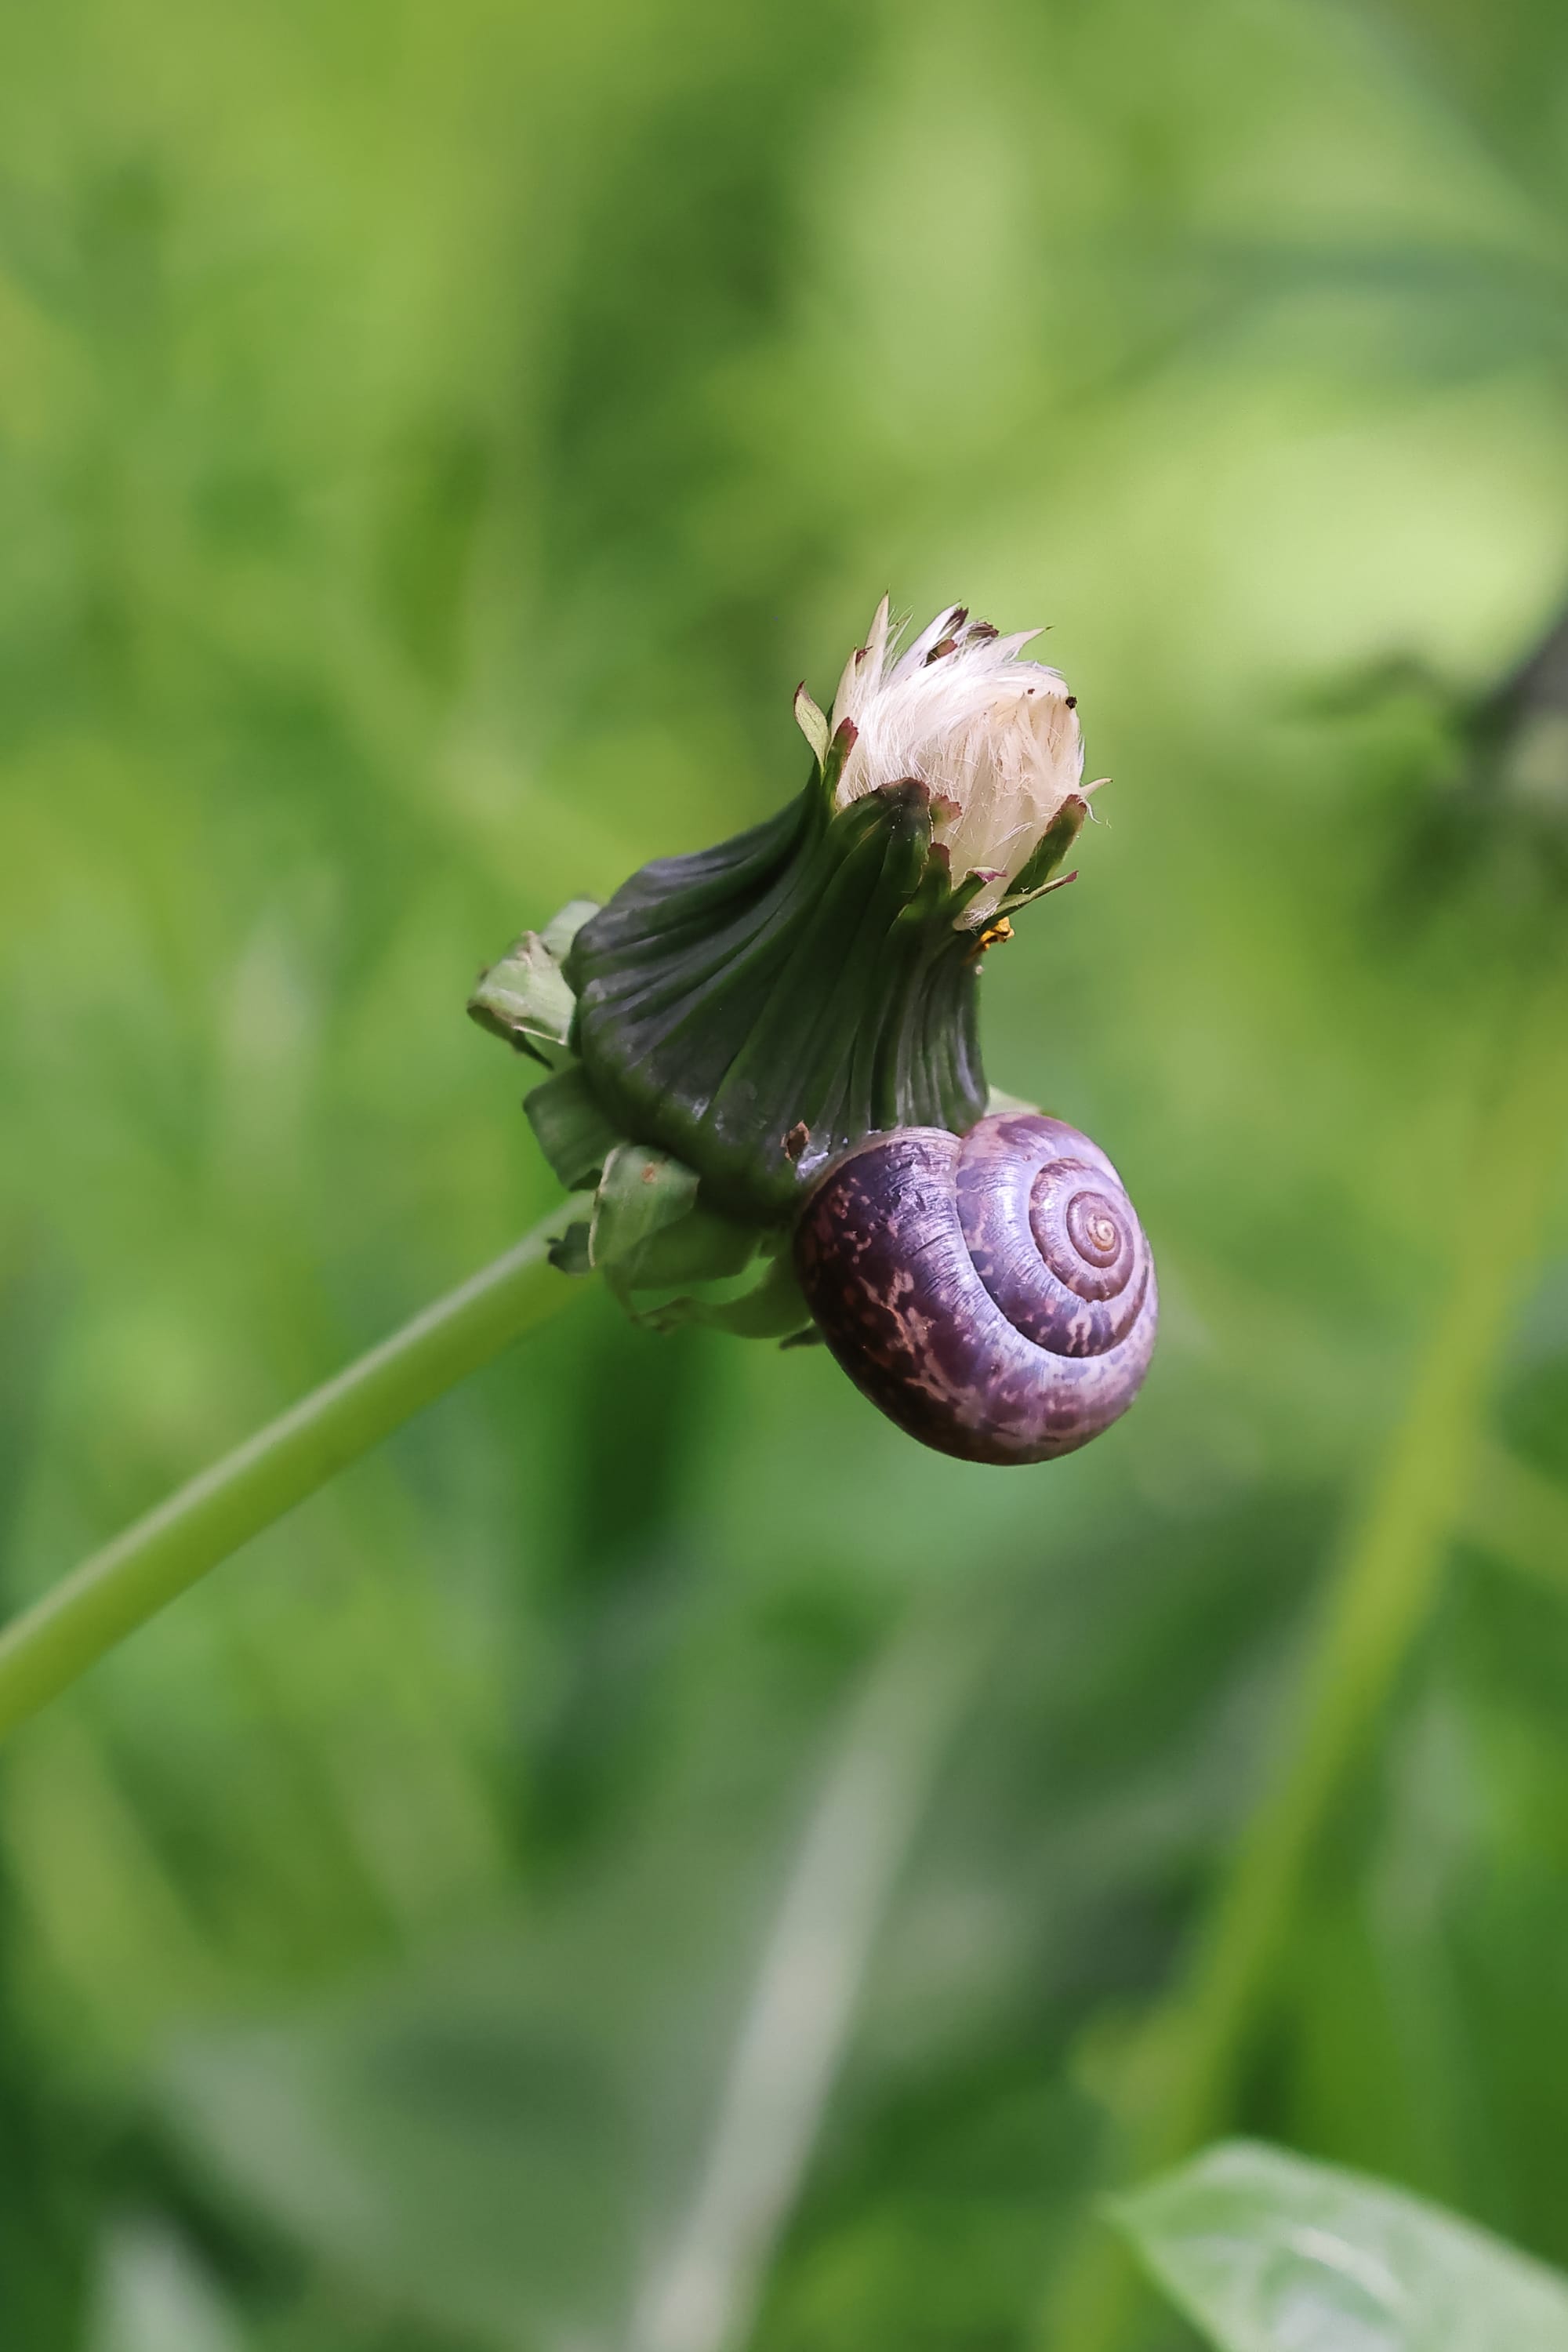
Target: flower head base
994	739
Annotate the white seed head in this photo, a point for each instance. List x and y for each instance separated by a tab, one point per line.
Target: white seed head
995	741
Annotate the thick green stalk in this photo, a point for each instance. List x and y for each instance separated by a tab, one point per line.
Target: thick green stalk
121	1586
1181	2082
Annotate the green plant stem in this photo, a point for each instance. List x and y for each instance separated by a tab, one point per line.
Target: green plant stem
1182	2076
122	1586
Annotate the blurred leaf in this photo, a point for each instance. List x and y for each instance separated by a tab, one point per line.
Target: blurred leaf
1269	2252
154	2295
1502	71
1522	1517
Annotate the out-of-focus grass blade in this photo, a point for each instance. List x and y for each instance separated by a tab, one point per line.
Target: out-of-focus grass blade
1267	2252
701	2288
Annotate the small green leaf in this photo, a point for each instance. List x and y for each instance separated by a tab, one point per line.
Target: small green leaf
1267	2252
699	1248
773	1308
569	1129
569	1254
524	1000
561	929
642	1190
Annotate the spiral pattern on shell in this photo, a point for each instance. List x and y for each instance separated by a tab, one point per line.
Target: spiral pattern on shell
993	1293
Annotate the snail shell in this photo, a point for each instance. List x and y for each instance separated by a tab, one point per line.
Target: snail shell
993	1293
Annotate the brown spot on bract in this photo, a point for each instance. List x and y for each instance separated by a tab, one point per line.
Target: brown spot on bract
797	1139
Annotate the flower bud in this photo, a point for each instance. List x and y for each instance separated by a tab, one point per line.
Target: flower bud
756	1008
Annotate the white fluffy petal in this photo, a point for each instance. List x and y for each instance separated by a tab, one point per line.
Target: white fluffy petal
994	739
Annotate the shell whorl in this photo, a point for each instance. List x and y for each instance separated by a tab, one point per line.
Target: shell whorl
993	1293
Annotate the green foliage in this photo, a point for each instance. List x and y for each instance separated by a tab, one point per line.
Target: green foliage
1269	2253
433	444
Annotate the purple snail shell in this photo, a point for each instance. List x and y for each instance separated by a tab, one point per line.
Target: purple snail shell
993	1293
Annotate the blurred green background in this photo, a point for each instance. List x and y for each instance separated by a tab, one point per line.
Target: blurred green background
651	1861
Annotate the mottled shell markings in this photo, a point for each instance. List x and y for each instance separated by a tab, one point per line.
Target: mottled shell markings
994	1294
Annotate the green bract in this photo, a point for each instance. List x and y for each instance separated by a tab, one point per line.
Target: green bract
668	1256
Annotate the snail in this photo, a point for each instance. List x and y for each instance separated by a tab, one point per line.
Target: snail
993	1293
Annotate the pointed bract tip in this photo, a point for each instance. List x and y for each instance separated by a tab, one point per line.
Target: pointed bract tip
811	722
